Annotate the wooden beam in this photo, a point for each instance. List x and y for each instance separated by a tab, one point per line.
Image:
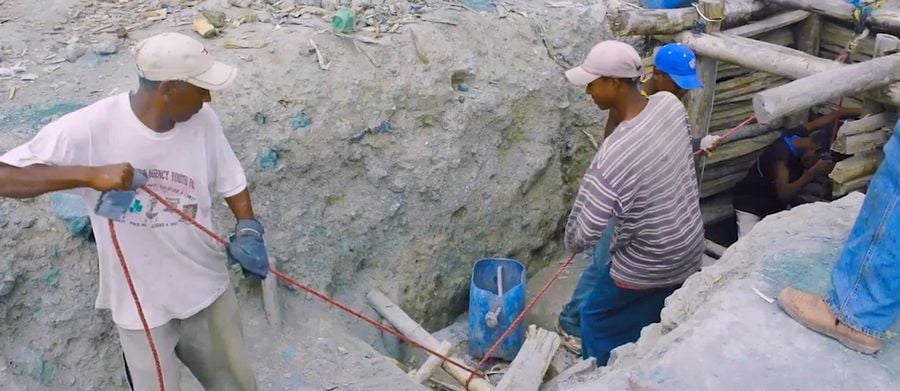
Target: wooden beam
809	35
861	142
771	23
711	187
424	372
717	209
735	149
410	328
858	166
271	299
580	367
740	89
749	131
838	37
672	21
868	124
700	101
734	166
887	19
782	37
842	189
825	86
526	372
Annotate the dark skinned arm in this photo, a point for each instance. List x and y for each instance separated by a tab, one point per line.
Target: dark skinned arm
240	205
35	180
786	189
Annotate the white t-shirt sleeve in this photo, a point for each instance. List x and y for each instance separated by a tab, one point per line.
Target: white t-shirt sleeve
228	177
57	144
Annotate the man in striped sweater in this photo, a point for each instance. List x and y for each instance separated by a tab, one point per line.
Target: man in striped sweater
643	176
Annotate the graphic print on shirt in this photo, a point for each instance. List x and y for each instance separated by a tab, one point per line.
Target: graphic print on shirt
176	188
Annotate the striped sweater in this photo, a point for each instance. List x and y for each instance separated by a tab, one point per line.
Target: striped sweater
643	175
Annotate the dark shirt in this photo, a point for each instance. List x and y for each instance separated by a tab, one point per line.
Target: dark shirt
757	193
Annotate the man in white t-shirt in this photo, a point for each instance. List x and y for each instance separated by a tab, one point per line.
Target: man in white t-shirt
167	130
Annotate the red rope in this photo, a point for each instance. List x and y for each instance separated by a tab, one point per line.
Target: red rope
730	133
137	303
287	279
521	317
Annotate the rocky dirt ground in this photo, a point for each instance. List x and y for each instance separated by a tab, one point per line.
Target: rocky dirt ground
439	133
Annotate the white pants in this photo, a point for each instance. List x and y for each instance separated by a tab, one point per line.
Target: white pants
745	222
210	344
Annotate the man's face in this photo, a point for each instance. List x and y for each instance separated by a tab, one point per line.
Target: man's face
663	82
183	100
603	91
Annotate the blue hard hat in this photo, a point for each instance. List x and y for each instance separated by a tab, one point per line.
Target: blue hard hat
680	63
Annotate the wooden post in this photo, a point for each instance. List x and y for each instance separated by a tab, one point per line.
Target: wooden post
271	301
700	101
431	364
825	86
526	372
579	368
809	34
858	166
410	328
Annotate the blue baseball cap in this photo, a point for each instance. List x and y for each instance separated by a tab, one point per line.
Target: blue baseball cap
680	63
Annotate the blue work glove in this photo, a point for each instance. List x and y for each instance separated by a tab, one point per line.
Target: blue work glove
247	247
114	204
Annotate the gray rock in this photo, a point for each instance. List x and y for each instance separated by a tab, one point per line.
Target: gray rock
74	51
107	48
215	17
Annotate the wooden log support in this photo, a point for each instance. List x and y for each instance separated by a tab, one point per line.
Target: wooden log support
431	364
580	367
744	147
850	145
711	187
772	23
839	36
700	101
887	19
825	86
734	166
526	372
749	131
770	58
781	37
410	328
717	209
868	124
271	299
842	189
741	89
809	35
858	166
673	21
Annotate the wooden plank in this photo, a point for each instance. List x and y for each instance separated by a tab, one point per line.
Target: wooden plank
749	131
580	367
842	189
424	372
839	36
711	187
731	117
741	89
825	86
809	35
776	22
858	166
744	147
782	37
700	101
738	165
868	124
861	142
630	21
526	372
886	19
717	209
412	329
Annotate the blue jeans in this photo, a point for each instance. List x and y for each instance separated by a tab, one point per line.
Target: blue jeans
570	317
866	278
612	316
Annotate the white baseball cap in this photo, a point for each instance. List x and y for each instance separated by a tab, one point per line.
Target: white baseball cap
607	59
174	56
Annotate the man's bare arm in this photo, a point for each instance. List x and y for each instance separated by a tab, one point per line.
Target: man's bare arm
34	180
240	205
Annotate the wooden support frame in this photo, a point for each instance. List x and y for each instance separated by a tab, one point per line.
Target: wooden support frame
825	86
526	372
882	19
700	101
776	22
673	21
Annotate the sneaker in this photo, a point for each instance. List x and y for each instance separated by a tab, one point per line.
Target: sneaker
811	311
570	342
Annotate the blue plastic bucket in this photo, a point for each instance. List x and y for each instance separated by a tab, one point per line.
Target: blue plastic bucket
667	4
491	311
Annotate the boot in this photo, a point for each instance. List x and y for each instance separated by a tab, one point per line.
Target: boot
811	311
